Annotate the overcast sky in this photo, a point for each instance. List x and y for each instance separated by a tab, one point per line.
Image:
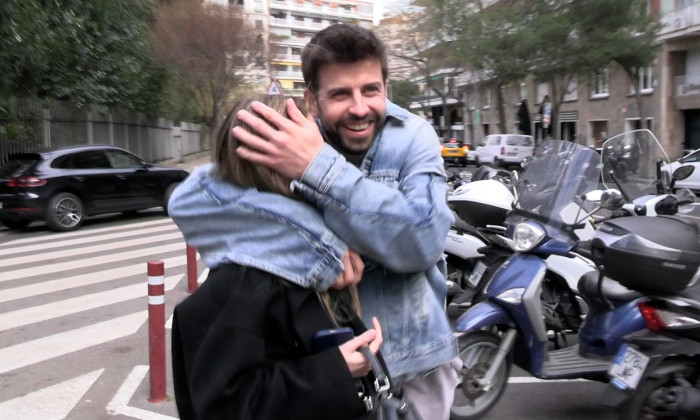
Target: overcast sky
388	7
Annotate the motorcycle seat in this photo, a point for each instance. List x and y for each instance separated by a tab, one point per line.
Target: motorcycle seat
588	285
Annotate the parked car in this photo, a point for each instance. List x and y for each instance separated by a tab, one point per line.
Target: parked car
65	185
504	149
693	181
454	151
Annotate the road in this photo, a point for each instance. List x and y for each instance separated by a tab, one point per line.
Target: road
74	330
73	318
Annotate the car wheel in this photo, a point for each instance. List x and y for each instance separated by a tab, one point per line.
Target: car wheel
477	162
496	162
166	197
65	212
16	224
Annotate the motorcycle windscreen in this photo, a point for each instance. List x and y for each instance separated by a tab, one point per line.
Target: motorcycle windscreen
629	162
559	173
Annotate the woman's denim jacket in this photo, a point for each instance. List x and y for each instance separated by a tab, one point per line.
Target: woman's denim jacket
391	210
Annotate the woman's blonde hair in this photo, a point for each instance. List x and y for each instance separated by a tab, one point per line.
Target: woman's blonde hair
244	173
236	170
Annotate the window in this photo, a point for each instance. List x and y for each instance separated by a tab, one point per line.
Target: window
93	159
485	98
121	160
522	92
645	80
542	91
471	98
571	93
600	84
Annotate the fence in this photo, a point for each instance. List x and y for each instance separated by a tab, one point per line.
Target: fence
27	124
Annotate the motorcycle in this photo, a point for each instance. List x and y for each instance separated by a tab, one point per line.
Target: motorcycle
656	373
510	325
476	245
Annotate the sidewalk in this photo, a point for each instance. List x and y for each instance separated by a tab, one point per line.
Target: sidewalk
189	162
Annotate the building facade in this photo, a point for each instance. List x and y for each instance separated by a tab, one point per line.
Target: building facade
593	108
293	23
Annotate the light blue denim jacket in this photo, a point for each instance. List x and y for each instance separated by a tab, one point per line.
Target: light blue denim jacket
391	210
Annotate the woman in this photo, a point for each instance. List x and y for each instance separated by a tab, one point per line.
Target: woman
243	344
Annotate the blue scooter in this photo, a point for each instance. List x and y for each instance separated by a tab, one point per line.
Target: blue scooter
509	325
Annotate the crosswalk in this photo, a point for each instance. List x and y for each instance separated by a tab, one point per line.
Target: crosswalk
74	311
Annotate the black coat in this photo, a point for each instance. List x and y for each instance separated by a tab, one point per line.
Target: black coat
242	348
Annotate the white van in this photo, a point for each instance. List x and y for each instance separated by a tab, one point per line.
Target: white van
504	149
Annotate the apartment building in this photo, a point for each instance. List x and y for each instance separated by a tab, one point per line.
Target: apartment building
288	25
293	23
594	107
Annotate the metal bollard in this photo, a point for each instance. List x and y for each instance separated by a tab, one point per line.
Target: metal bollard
191	269
156	330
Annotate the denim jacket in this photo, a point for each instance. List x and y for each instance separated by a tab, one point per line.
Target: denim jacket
392	210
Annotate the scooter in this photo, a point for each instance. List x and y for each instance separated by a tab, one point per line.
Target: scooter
509	325
476	245
657	372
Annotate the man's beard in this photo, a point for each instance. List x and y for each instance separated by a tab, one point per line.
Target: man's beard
348	147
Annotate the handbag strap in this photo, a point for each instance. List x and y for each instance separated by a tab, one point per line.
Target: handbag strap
381	380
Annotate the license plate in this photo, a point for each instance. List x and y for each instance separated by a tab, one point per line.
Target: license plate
628	368
476	274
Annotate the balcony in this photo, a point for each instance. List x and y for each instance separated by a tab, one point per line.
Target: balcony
687	91
680	22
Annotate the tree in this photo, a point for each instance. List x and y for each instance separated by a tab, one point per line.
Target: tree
88	52
212	49
553	40
403	92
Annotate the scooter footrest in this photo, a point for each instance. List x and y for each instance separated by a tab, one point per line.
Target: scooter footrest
568	363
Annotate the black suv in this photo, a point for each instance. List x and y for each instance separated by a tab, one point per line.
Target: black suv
62	186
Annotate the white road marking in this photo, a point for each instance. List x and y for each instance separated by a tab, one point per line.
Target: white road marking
532	380
52	402
82	303
82	232
80	241
59	268
45	348
120	402
67	283
68	253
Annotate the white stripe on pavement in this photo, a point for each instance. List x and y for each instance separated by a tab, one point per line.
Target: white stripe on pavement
65	307
45	348
54	402
120	402
67	283
86	240
64	252
82	232
59	268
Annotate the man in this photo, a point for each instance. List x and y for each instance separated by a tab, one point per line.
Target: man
379	182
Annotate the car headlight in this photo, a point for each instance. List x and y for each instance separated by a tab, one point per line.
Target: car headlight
527	235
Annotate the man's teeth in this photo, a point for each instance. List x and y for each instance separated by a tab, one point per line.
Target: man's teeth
357	127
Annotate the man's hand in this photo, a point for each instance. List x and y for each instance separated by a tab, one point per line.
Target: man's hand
287	145
352	272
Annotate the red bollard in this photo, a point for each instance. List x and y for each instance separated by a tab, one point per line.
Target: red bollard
191	269
156	330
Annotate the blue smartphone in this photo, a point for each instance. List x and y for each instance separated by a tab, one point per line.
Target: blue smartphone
325	339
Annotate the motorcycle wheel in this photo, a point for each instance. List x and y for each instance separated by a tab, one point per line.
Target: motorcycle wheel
477	350
650	401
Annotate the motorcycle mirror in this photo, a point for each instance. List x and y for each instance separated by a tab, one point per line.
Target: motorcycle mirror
592	196
685	196
611	199
683	172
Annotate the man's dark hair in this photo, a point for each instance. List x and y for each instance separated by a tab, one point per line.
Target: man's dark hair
340	43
